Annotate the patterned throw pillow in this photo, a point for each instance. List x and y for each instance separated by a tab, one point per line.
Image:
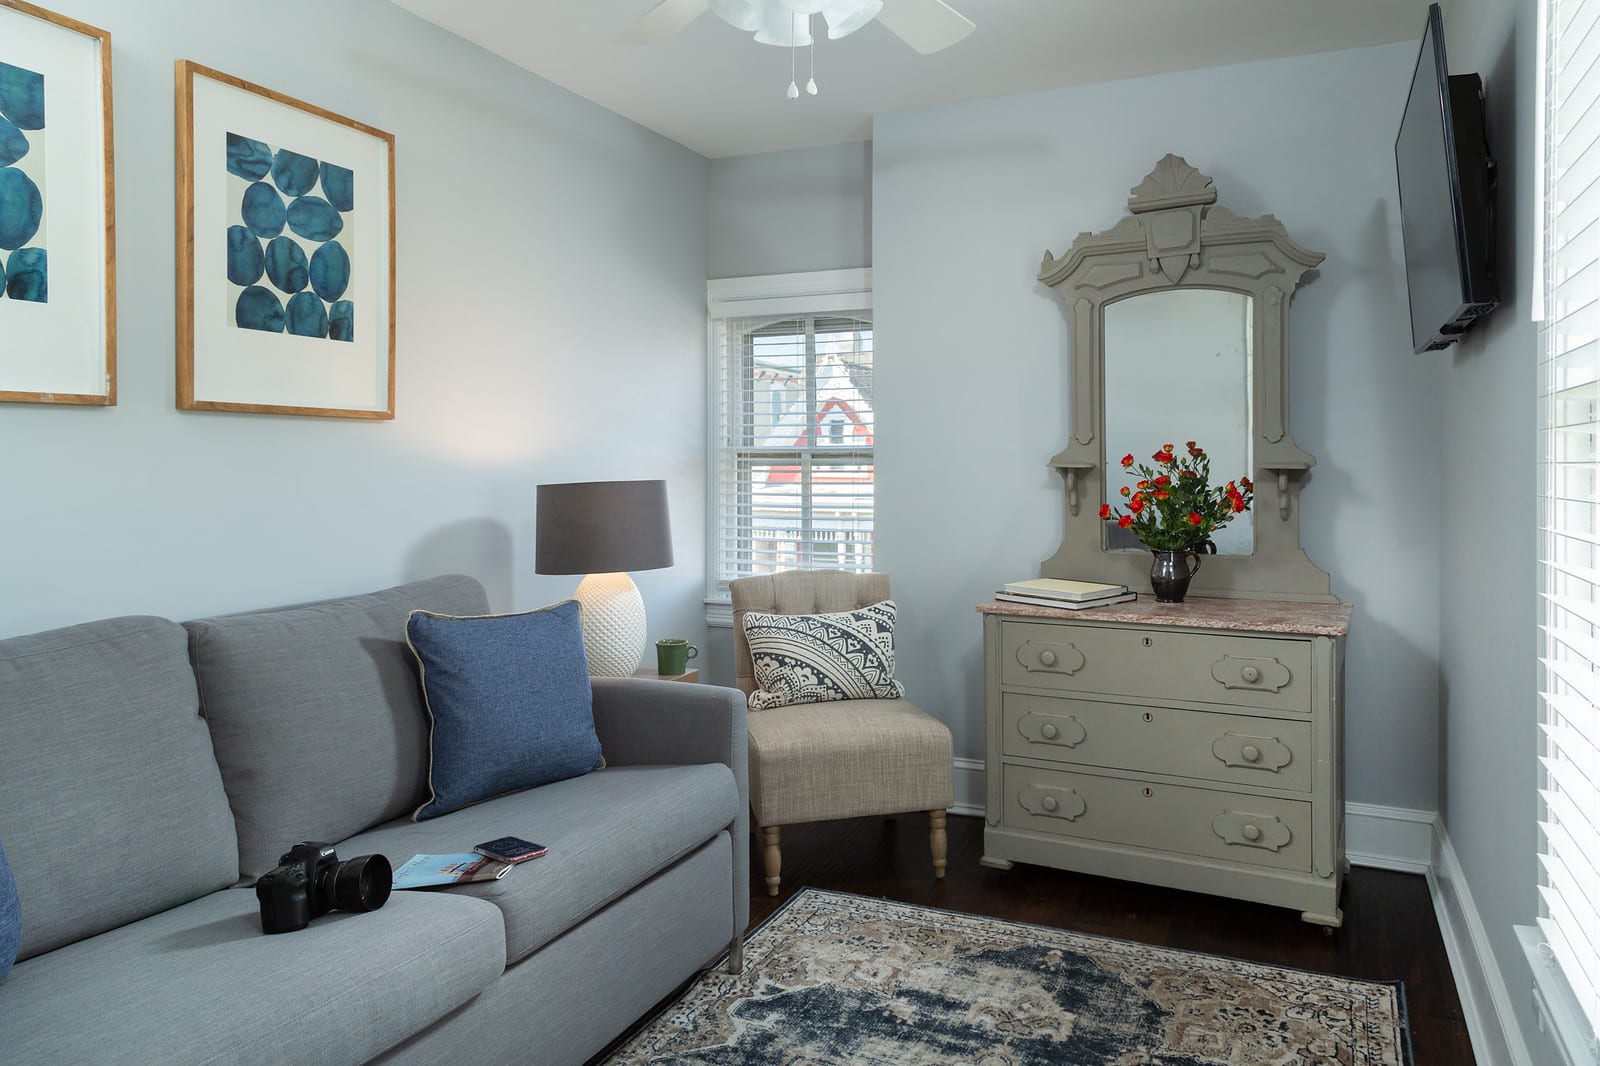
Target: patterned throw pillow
812	658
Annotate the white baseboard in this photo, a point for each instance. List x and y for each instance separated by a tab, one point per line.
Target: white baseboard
969	794
1389	838
1485	1001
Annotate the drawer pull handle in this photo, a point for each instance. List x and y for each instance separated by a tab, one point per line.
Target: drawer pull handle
1061	730
1256	675
1056	658
1251	830
1051	802
1252	753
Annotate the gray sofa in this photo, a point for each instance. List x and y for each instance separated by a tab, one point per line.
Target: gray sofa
150	771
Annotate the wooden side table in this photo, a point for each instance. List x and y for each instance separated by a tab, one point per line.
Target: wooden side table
691	675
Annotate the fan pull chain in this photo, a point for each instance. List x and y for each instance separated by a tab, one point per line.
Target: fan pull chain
794	88
811	85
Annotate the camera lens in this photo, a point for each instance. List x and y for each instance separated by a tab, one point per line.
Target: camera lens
362	883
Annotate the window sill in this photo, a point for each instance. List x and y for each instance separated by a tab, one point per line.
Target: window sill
719	614
1559	1015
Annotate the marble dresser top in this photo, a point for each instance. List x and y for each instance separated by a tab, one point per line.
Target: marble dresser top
1253	616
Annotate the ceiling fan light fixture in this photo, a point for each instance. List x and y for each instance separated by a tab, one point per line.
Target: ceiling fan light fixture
845	17
740	14
783	28
804	7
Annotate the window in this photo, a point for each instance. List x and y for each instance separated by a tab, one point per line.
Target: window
1569	516
791	478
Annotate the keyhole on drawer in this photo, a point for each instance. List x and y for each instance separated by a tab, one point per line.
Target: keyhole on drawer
1148	792
1148	642
1149	717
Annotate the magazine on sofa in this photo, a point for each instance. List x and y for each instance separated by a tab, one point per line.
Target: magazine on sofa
426	871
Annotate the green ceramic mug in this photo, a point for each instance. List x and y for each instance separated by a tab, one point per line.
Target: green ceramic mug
673	655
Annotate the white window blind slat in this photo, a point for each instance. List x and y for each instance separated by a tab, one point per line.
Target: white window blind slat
793	429
1569	499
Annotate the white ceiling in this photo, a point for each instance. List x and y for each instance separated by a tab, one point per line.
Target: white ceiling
713	89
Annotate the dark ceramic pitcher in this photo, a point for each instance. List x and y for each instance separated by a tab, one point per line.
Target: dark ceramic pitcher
1171	573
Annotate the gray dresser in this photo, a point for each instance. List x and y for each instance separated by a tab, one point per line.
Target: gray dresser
1196	745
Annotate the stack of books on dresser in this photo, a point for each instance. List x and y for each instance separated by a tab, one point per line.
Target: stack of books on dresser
1062	594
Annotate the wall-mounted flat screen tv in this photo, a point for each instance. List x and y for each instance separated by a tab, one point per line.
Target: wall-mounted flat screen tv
1447	191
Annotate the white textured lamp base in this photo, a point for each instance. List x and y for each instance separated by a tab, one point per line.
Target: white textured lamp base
613	624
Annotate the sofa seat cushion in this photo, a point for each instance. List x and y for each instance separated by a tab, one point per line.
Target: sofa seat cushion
607	832
202	984
111	805
317	714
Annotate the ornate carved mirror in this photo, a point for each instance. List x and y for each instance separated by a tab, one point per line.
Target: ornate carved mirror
1180	325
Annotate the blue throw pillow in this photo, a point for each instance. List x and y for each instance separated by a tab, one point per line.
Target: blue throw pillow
10	917
510	702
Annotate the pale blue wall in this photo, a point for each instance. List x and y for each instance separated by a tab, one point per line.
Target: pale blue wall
551	303
1488	678
784	212
971	357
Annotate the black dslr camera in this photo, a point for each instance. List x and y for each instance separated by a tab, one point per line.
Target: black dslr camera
310	880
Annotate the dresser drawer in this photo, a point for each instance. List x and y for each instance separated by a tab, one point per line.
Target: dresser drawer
1248	671
1230	748
1230	826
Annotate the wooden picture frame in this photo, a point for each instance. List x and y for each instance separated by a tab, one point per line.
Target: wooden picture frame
294	312
58	255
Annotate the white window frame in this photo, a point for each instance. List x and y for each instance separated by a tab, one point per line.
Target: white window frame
818	292
1547	945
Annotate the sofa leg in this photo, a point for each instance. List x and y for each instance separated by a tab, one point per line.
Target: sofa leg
736	955
773	857
938	842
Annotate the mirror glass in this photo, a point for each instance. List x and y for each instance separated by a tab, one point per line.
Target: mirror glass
1177	368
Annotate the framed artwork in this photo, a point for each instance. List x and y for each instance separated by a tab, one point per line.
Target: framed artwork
285	254
58	316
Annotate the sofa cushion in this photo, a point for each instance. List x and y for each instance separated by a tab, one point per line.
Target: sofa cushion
317	714
10	918
202	984
607	832
814	658
111	807
509	699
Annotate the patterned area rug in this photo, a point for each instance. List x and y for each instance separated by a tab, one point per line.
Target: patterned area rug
836	978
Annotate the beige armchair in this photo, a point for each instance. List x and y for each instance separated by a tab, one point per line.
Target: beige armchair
813	762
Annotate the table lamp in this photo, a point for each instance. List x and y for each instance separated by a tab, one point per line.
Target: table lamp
603	530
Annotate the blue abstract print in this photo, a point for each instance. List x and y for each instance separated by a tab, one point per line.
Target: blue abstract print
24	264
292	223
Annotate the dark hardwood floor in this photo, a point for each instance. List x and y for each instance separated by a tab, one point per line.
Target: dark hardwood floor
1389	932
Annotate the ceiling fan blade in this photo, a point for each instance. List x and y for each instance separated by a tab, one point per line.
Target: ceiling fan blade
926	25
663	21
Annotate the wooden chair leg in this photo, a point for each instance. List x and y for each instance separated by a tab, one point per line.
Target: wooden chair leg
773	857
938	842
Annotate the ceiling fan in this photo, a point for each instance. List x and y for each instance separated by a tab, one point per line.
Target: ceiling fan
926	25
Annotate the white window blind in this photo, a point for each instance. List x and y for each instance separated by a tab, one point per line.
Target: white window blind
1569	506
792	450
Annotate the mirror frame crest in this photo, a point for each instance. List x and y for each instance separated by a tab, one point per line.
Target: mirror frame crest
1177	236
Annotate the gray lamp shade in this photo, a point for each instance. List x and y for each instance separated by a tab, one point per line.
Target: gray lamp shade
603	527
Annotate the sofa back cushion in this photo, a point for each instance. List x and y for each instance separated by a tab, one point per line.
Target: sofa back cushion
111	806
316	713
